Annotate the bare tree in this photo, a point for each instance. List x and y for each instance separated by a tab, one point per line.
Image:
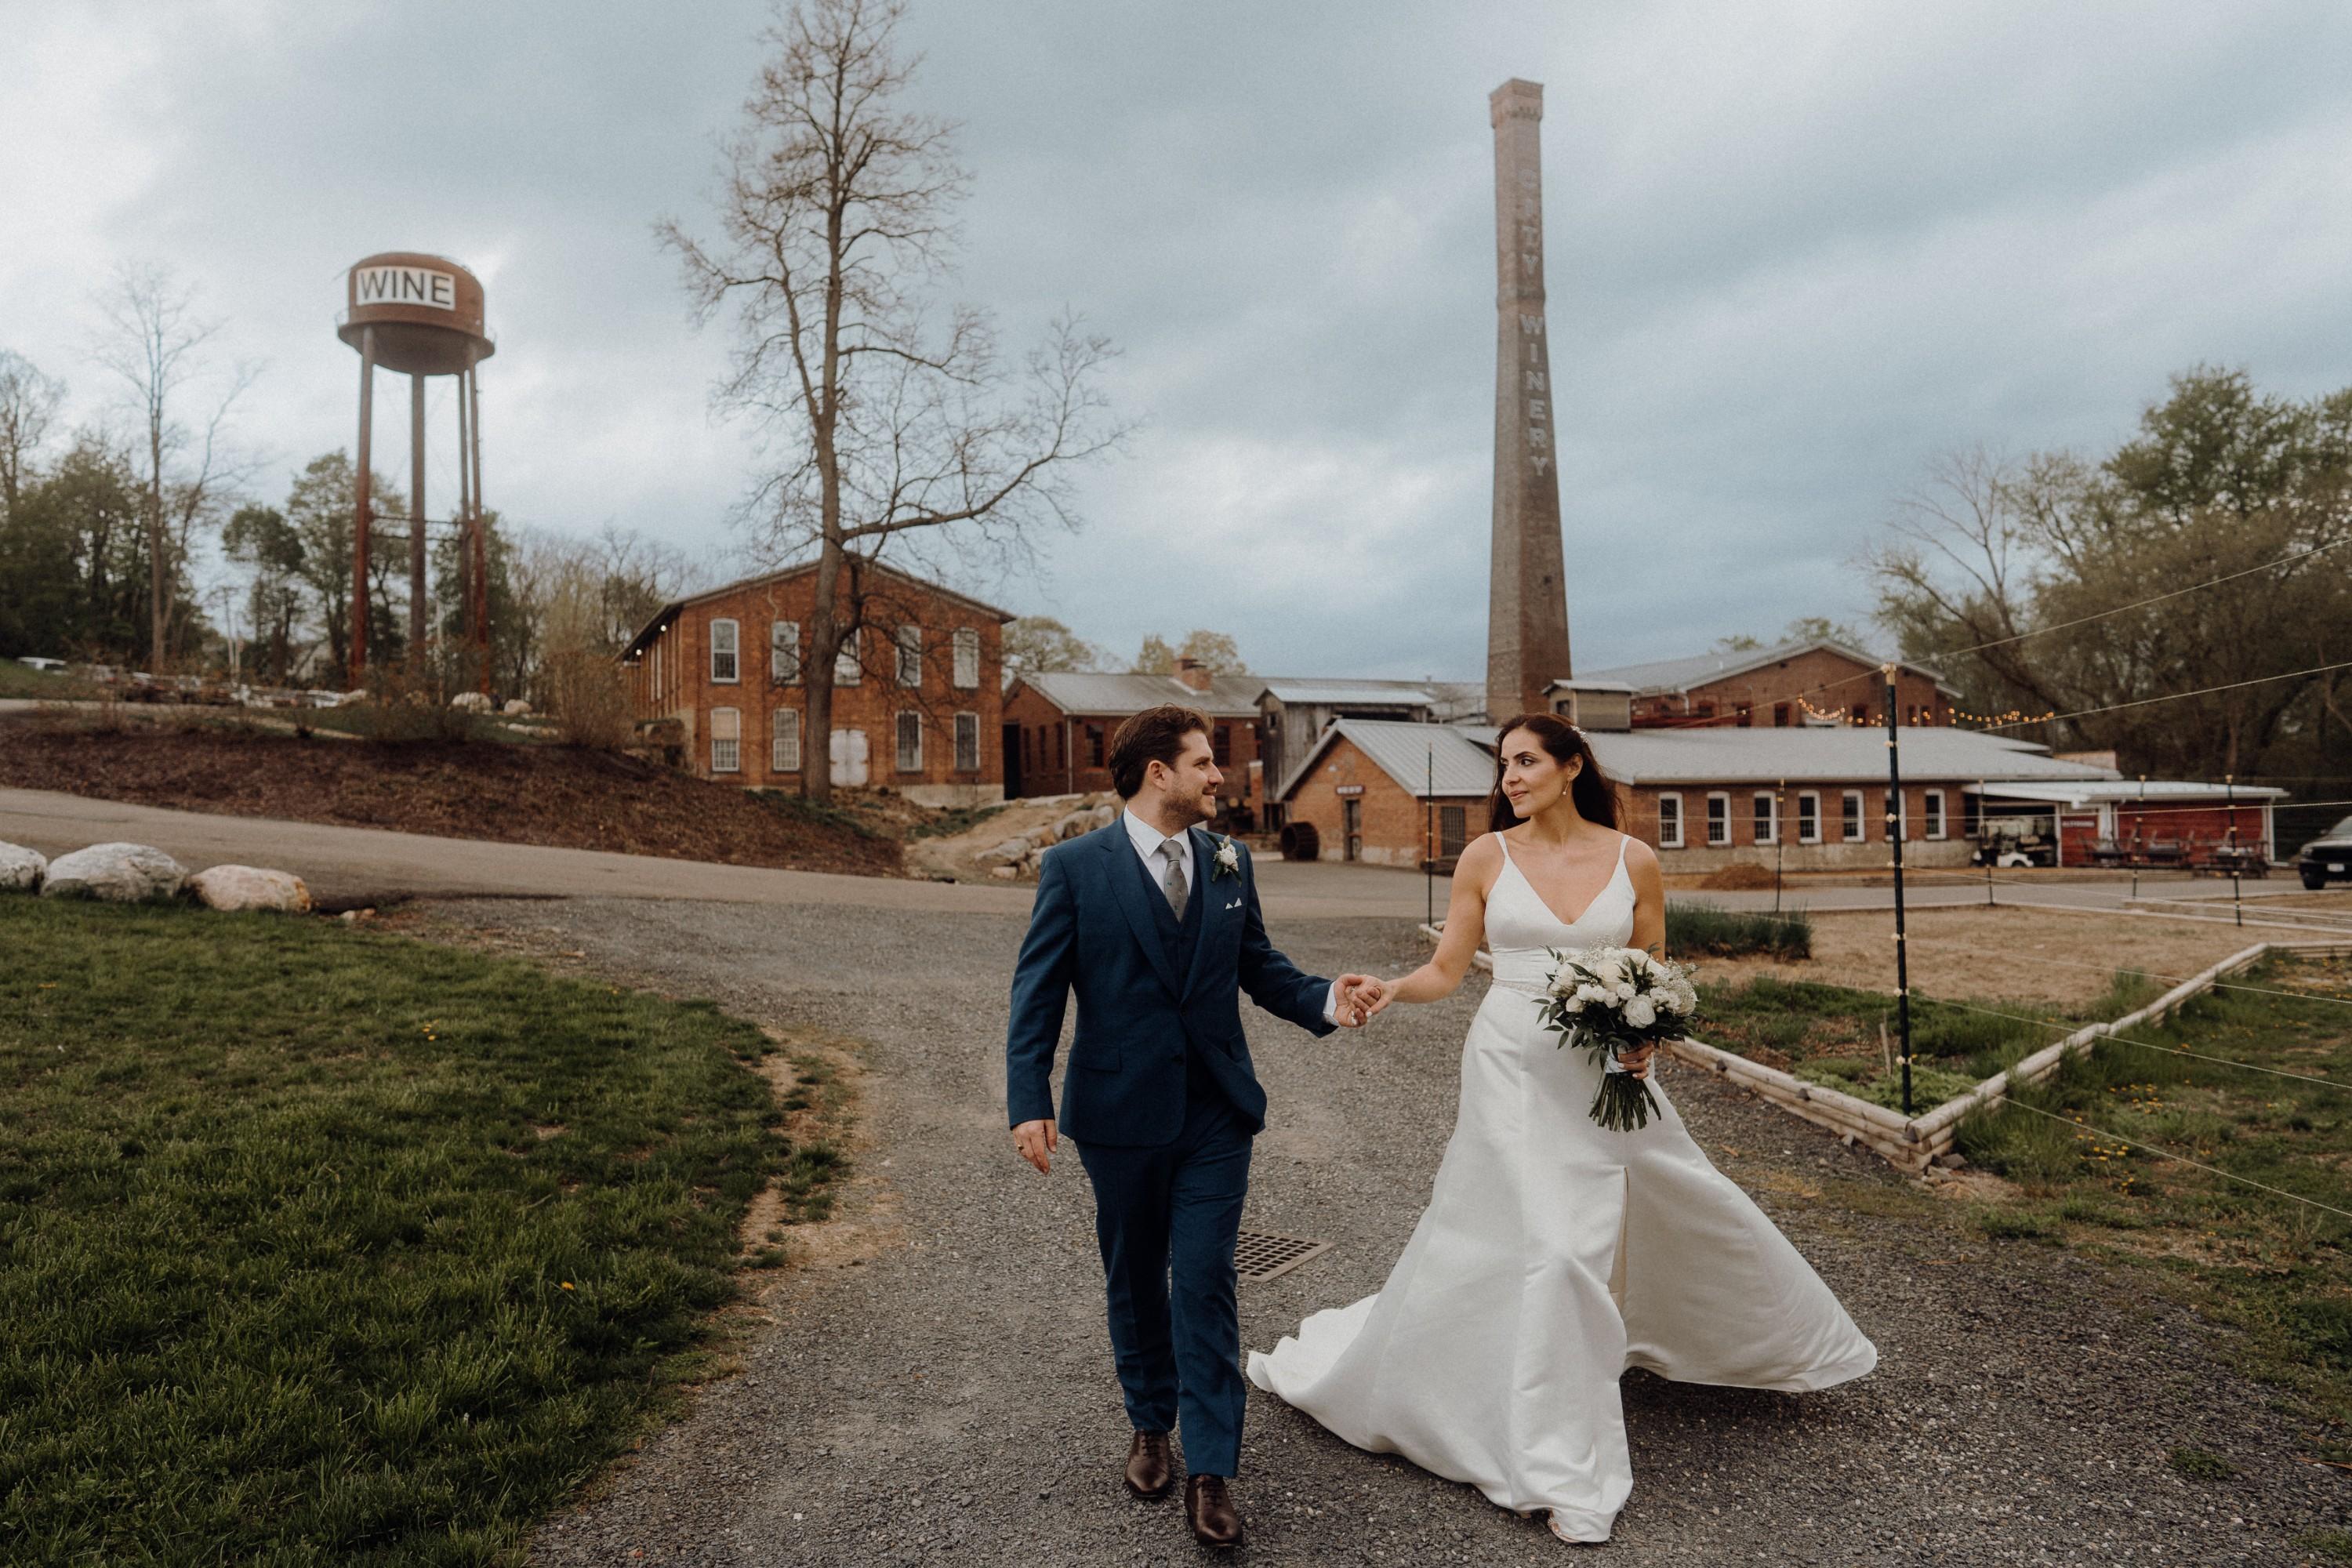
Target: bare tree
887	429
154	341
28	406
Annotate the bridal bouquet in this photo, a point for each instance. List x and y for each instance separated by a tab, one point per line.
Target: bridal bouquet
1613	999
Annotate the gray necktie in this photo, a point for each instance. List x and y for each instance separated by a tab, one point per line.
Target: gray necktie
1174	882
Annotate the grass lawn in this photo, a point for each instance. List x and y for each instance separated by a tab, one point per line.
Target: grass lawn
22	680
326	1246
2269	1265
1830	1034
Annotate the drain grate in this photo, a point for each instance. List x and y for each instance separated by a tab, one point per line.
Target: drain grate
1262	1255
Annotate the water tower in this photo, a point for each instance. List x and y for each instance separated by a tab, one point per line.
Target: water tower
422	316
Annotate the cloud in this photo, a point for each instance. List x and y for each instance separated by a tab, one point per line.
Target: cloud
1794	250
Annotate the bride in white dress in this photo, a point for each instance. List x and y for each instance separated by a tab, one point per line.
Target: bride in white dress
1555	1254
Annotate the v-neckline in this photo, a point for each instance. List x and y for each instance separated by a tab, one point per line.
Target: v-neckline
1536	893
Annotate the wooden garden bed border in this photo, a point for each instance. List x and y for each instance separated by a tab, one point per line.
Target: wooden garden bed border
1913	1143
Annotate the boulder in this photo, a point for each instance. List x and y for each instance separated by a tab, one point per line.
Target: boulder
117	873
21	869
470	702
250	888
516	708
1008	853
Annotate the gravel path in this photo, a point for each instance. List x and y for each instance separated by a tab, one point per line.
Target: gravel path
952	1399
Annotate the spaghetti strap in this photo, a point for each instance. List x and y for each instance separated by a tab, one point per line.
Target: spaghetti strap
1622	840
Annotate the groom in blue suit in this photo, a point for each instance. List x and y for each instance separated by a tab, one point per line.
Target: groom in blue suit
1153	922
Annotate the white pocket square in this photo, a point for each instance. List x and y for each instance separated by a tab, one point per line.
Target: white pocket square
1235	905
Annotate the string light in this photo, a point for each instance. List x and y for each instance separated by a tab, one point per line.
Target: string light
2014	716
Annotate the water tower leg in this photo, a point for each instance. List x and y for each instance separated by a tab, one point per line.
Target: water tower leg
481	531
361	505
465	511
417	523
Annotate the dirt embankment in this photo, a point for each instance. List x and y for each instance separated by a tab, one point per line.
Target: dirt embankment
558	796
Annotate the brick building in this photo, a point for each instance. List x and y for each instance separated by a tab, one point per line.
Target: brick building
1059	725
2147	821
1704	798
1775	687
918	699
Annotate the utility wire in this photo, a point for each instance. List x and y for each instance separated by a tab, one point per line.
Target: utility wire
2183	1159
2169	696
2126	1039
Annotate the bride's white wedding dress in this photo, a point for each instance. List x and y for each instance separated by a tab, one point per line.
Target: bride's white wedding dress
1553	1255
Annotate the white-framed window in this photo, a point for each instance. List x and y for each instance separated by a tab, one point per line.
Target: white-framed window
785	652
1670	820
1718	818
785	742
967	658
1933	804
724	649
910	656
1849	806
967	742
726	741
1766	806
910	741
1808	816
848	668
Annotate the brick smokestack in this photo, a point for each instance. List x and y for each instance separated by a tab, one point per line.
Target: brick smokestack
1193	673
1527	606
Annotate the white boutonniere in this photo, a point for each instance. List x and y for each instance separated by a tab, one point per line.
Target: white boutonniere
1226	860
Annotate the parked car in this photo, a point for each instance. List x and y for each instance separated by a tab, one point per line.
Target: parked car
2326	858
46	665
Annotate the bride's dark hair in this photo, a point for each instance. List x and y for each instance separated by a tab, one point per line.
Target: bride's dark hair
1595	797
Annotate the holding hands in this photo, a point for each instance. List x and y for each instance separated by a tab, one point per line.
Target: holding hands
1361	998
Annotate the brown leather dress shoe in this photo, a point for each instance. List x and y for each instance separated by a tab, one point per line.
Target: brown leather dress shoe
1209	1509
1149	1472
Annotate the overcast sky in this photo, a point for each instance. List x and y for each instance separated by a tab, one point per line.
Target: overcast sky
1794	251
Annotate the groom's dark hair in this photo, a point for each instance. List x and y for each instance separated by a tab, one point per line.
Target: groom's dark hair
1154	735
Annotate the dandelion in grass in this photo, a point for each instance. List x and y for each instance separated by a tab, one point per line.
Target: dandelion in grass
1611	1000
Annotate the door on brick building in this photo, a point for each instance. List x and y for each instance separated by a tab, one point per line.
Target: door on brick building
1351	819
1013	761
849	756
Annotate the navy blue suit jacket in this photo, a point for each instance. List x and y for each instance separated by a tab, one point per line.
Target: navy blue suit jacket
1092	933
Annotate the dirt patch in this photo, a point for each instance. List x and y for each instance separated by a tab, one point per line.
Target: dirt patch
2020	953
1740	874
951	857
563	796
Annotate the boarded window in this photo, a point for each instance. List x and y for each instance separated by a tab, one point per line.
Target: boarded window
723	650
1670	822
846	669
967	658
910	742
726	741
910	656
785	652
785	742
1718	819
967	759
1453	829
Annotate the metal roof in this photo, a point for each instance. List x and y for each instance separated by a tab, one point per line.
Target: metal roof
2124	792
1407	752
1338	693
1106	695
1666	675
1842	754
1588	683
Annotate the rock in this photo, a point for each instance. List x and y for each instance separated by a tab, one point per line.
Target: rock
516	708
1007	872
1075	822
21	869
470	702
1953	1162
1007	853
117	873
250	888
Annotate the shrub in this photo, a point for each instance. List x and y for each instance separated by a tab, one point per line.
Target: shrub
588	694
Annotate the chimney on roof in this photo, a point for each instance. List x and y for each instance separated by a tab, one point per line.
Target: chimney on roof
1193	673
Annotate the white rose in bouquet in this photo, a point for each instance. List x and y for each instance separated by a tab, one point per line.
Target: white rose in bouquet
1613	1000
1640	1012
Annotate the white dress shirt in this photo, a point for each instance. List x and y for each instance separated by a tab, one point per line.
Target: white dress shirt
1148	839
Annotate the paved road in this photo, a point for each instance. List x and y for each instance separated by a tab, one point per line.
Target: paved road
347	864
344	864
951	1398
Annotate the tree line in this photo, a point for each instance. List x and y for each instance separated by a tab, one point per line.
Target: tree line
2210	554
